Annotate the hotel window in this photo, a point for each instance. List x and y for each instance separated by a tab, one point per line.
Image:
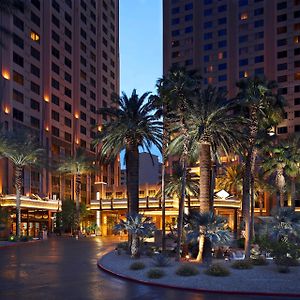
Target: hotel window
281	54
222	44
207	12
55	52
18	96
55	131
68	18
281	30
297	64
259	23
68	33
297	26
83	88
55	37
222	32
297	76
82	130
281	42
18	23
208	24
175	33
297	39
68	62
244	16
55	115
68	92
188	6
18	115
55	99
281	5
18	59
259	71
68	77
222	67
282	130
68	48
188	62
35	19
222	8
188	29
243	62
222	77
55	21
282	78
188	18
92	108
55	68
34	122
259	47
18	78
282	91
82	143
206	2
207	47
68	137
175	21
92	121
297	14
92	95
243	2
35	70
281	18
93	28
297	113
222	21
82	116
206	36
55	5
175	10
82	102
93	82
69	3
259	35
297	51
297	128
243	50
34	105
281	67
35	88
68	122
297	101
55	84
259	11
83	18
297	88
259	59
18	41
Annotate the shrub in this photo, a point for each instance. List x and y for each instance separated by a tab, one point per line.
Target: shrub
287	261
155	273
12	238
161	260
137	266
217	270
242	265
24	238
283	269
187	270
260	261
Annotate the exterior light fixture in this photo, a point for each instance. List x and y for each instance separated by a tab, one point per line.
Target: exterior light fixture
77	141
5	74
99	128
47	128
6	110
34	36
76	116
46	98
222	194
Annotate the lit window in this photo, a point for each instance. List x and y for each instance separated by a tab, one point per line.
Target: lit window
34	36
297	39
220	55
297	76
5	74
244	16
246	74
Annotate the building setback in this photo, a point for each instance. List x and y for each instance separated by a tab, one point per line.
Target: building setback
58	68
228	40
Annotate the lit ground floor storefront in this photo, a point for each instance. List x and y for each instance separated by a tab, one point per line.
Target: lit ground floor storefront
36	214
108	212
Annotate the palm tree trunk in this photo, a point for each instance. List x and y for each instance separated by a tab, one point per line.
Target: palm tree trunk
18	186
134	246
252	188
261	199
246	203
201	248
77	195
205	173
132	166
280	181
293	192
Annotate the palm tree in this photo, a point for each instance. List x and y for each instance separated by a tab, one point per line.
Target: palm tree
176	91
209	228
139	227
282	160
264	109
22	150
77	165
132	124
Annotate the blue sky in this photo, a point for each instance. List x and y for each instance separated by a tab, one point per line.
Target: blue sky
140	45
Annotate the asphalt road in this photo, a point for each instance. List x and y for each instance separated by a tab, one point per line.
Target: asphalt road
65	268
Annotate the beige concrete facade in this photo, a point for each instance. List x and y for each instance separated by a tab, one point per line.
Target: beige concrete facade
60	65
228	40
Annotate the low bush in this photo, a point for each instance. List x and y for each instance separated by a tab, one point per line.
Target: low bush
25	238
287	261
217	270
260	261
123	246
155	273
283	269
187	270
137	266
161	260
242	265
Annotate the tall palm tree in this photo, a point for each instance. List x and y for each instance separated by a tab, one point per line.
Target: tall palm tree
77	165
22	149
282	160
264	109
132	124
176	91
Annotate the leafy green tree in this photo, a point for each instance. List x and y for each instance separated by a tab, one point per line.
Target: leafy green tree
264	109
177	90
139	227
22	149
132	124
77	165
207	228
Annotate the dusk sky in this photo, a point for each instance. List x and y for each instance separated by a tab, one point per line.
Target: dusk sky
140	45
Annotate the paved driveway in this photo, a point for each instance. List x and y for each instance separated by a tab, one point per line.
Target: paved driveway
65	268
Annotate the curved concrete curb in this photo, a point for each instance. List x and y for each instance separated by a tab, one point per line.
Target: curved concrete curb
194	290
